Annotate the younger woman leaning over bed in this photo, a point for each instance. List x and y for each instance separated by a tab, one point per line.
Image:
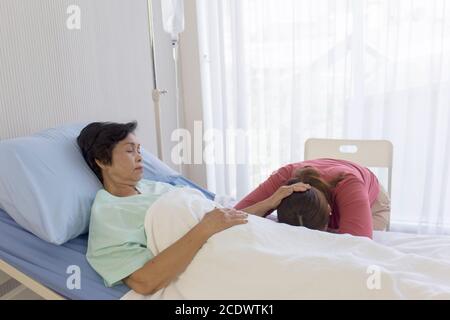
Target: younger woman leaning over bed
117	242
343	197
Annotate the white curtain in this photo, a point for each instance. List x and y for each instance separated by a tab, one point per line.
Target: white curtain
282	71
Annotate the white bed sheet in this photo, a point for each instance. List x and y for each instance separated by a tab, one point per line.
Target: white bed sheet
434	247
424	245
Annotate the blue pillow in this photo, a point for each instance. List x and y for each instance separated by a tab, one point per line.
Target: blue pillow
47	187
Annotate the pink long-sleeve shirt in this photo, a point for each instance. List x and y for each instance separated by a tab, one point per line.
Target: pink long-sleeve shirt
351	198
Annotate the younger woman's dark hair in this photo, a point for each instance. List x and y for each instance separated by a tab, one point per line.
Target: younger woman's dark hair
310	208
98	139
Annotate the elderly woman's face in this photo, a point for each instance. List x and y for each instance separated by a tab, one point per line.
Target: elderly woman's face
126	163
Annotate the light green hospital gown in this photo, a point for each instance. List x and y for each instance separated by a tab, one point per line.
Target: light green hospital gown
117	244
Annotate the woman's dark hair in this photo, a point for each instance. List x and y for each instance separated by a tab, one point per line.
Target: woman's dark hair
309	208
98	139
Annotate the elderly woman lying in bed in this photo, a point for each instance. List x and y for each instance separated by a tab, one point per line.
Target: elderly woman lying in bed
117	241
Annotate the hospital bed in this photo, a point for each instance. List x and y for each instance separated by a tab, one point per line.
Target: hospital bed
50	269
46	268
43	267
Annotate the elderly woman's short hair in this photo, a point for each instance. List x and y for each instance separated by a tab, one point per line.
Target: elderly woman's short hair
98	139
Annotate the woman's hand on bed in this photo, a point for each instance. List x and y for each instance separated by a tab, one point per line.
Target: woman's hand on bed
285	191
220	219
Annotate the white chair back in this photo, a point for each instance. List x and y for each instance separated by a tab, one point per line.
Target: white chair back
368	153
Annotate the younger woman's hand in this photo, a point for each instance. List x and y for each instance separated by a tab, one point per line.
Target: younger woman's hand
220	219
285	191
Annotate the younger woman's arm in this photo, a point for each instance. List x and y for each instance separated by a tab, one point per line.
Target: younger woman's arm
269	194
354	208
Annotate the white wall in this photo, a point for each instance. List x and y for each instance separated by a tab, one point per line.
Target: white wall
51	75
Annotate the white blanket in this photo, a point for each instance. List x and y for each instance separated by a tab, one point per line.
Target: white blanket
267	260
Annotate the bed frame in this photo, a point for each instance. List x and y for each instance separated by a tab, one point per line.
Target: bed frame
29	282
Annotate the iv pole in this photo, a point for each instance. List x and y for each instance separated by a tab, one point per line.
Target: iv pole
156	93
